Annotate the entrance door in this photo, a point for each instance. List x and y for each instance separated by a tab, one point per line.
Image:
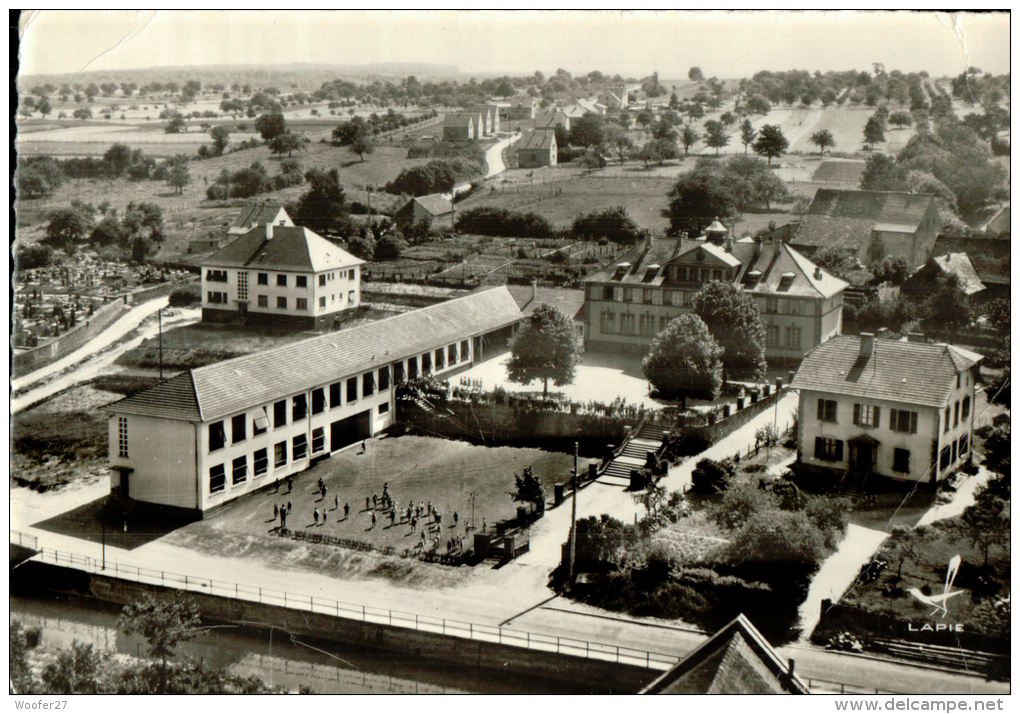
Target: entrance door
861	456
124	493
344	432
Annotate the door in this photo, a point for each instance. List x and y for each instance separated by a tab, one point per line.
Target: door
124	492
861	456
344	432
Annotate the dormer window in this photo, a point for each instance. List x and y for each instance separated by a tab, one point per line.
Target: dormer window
752	277
786	281
621	271
651	272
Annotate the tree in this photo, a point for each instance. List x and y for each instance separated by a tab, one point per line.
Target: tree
21	679
270	126
652	498
586	130
176	125
840	262
82	113
145	219
618	138
947	309
698	197
882	174
28	255
688	138
900	119
757	104
610	223
285	143
711	476
733	318
528	489
163	625
645	118
75	671
68	226
44	108
117	158
986	524
178	175
38	176
894	271
752	183
546	348
323	207
823	139
874	131
715	135
694	111
684	361
658	150
388	247
778	538
771	142
220	137
107	232
356	134
695	75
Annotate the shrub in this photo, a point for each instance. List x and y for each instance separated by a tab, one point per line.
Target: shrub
710	476
611	223
491	221
190	294
739	503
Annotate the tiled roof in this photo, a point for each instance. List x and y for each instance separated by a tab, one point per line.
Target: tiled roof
909	372
231	386
990	257
880	206
537	140
735	660
839	171
570	302
833	232
172	399
998	223
551	119
435	203
458	120
257	213
959	264
291	248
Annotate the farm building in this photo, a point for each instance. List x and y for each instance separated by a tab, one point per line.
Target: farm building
259	213
629	303
275	274
872	224
888	408
518	110
989	257
551	119
923	281
537	148
568	301
212	434
844	172
424	209
489	121
458	127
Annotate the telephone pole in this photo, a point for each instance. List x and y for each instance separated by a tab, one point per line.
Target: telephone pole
160	313
573	520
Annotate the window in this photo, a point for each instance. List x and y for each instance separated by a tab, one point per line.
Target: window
607	292
663	321
260	424
793	337
301	281
451	354
281	302
217	479
944	457
216	297
302	304
867	415
440	359
280	414
945	421
412	367
958	379
398	373
318	400
964	445
217	436
122	437
300	447
384	408
771	304
280	454
261	462
426	363
716	275
901	460
238	426
322	281
352	389
350	296
318	440
956	414
281	281
216	276
322	300
966	407
676	298
627	324
772	336
239	472
367	384
299	408
263	300
903	421
828	449
384	378
649	293
827	410
263	279
608	322
334	395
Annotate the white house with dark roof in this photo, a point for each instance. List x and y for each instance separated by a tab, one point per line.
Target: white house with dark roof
214	433
259	214
631	302
278	274
888	408
424	209
537	148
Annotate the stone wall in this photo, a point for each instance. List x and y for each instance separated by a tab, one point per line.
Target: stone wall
71	340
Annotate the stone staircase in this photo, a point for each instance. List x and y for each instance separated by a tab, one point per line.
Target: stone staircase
647	438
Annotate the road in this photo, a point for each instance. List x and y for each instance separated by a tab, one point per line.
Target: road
494	156
95	358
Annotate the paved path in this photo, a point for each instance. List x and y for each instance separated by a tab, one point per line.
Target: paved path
494	156
96	357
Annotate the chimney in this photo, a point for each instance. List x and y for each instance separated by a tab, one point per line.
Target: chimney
792	665
915	337
269	231
867	343
728	243
883	333
818	273
757	247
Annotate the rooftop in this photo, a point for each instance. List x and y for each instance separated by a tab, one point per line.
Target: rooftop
959	265
537	140
990	257
569	302
229	387
910	372
839	171
289	248
258	213
844	219
435	203
735	660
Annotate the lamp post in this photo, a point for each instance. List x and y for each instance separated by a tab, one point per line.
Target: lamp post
573	521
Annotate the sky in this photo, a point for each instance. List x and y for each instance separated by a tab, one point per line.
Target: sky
723	43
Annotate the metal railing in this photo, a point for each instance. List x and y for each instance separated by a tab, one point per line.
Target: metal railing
364	613
25	540
827	686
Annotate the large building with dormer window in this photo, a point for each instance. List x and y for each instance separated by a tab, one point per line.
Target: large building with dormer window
631	302
280	274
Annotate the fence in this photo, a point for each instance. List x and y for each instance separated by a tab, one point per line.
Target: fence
71	340
25	540
364	613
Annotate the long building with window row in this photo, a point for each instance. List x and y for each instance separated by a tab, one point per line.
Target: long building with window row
211	434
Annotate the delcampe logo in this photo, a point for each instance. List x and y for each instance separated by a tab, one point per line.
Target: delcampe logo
938	603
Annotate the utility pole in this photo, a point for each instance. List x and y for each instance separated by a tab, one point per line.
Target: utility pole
104	545
160	313
573	520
